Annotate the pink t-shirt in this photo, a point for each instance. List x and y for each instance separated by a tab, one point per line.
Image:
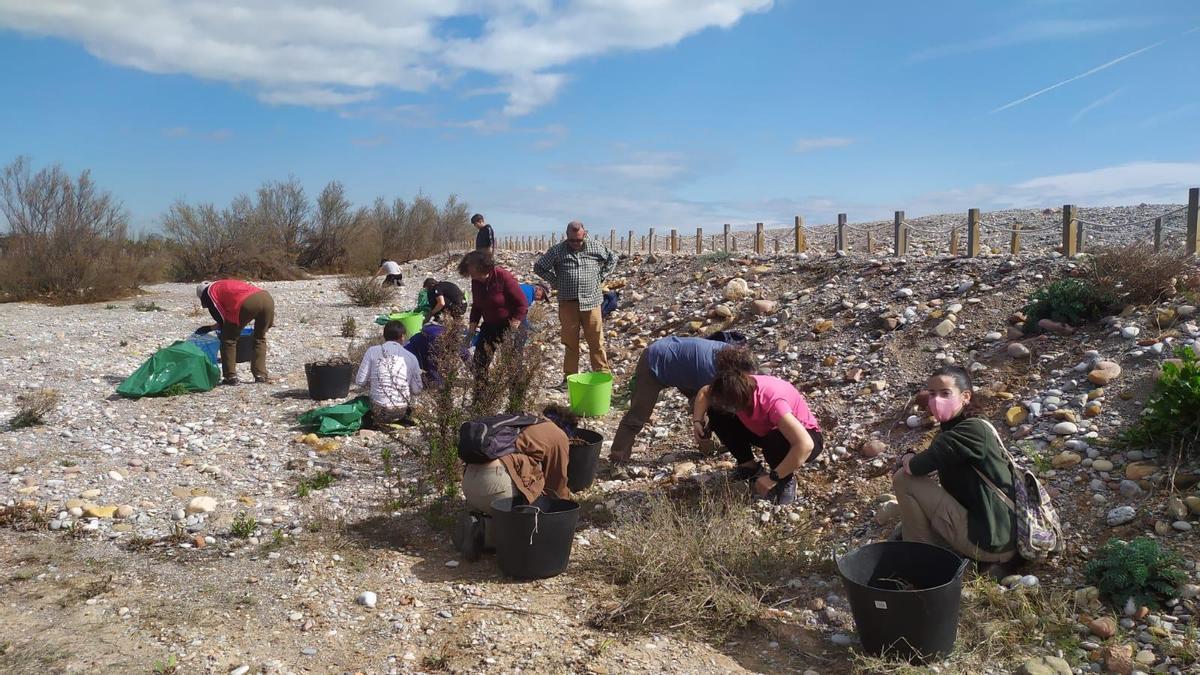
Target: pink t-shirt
774	398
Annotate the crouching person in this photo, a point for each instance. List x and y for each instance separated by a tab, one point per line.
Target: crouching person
960	510
392	376
517	456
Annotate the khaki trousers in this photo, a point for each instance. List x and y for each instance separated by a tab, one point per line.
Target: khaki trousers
572	320
646	390
931	515
259	308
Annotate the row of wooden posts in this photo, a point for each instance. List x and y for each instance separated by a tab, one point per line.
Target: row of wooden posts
1073	236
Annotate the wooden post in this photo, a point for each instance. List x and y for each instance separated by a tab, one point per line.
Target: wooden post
733	242
629	243
674	240
759	242
726	236
1014	246
841	232
776	244
1070	240
954	242
612	239
900	234
973	233
870	242
714	243
801	245
1192	244
699	241
642	243
1158	234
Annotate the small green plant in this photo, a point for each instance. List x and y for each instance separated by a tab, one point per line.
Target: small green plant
144	306
1069	301
349	327
244	526
715	257
317	481
1140	569
168	667
177	389
110	306
33	407
1171	418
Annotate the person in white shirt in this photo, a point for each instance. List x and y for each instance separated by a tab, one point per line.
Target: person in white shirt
392	376
391	269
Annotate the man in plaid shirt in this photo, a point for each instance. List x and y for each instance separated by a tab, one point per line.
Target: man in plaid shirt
576	268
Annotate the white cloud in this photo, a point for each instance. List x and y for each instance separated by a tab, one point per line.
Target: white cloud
326	53
1026	33
810	144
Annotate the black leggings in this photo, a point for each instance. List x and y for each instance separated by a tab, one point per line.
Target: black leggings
740	440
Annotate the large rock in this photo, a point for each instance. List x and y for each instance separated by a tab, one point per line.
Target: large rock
943	329
736	289
1140	470
1065	459
887	513
764	307
1018	351
1016	416
1118	659
1066	428
1121	515
1044	665
1104	373
202	505
94	511
1193	504
1103	627
873	448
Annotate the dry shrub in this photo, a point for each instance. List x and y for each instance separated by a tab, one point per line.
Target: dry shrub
25	517
700	567
998	629
367	292
1137	275
511	381
238	241
67	239
33	407
440	411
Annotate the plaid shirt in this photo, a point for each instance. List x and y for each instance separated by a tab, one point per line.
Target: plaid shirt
577	274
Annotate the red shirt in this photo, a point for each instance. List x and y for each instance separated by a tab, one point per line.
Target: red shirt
497	299
227	295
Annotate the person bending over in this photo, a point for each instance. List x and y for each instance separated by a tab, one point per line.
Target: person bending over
233	305
391	269
745	410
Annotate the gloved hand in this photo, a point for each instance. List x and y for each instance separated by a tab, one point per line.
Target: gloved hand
204	330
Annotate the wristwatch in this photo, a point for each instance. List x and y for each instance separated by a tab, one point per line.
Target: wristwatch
774	476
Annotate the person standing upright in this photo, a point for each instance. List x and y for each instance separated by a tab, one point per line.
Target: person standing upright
485	236
577	267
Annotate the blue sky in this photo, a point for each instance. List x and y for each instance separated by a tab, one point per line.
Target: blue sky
624	114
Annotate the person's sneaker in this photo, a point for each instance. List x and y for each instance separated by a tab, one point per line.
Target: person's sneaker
229	380
744	471
264	379
785	491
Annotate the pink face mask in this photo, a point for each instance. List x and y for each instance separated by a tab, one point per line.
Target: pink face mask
944	409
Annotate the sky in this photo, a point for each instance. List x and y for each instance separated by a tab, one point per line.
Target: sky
624	114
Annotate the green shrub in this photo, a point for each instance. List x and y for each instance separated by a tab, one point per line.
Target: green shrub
349	327
1171	418
33	407
318	481
144	306
1139	569
367	292
243	526
1069	301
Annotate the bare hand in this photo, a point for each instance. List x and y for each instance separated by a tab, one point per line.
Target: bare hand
699	431
763	485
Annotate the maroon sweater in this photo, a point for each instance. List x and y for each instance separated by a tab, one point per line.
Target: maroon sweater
498	299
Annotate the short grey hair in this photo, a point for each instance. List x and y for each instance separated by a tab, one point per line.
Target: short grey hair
575	226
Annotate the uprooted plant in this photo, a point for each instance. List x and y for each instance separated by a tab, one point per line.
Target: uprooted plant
32	408
702	567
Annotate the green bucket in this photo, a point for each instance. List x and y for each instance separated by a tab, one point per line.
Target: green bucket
590	394
413	321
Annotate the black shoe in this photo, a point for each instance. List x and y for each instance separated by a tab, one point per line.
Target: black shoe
785	491
229	381
744	471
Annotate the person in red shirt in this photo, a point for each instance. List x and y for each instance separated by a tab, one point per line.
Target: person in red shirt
496	299
233	305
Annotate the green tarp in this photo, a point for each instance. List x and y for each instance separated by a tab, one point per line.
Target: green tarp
337	420
181	363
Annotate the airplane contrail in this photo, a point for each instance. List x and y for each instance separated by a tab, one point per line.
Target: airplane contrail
1080	76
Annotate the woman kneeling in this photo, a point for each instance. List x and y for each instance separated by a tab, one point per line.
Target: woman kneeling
961	513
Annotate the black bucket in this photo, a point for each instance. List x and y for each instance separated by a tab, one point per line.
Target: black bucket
245	348
905	597
585	458
326	382
532	542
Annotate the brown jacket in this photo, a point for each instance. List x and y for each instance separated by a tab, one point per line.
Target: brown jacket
539	466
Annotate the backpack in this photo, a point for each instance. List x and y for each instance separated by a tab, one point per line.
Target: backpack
391	378
487	438
1039	534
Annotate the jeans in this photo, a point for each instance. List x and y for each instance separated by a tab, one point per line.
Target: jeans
775	446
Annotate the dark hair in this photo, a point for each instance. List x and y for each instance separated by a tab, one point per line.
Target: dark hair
393	331
430	282
382	260
733	388
960	375
562	416
477	218
479	260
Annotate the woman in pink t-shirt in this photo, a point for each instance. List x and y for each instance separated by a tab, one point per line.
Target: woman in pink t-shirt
747	410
